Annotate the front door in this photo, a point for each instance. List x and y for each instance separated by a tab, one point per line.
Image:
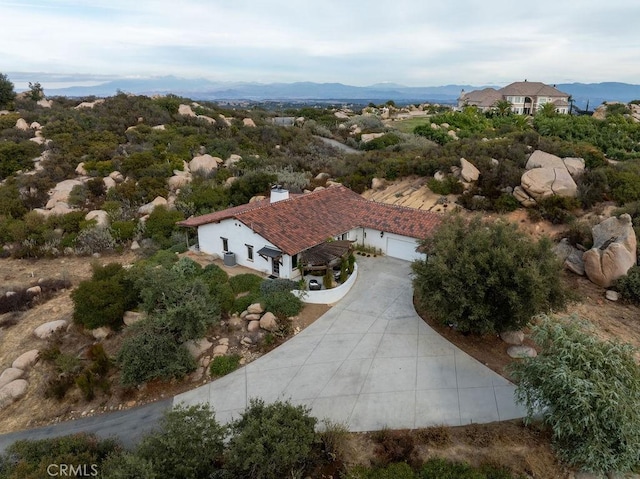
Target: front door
275	267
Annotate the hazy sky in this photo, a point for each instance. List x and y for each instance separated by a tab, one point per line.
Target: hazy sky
412	42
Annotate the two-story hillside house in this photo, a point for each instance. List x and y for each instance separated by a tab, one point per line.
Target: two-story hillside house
274	235
526	98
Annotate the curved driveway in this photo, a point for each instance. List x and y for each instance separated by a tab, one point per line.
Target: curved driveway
369	362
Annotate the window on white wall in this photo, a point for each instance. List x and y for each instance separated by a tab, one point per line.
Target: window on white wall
225	244
249	252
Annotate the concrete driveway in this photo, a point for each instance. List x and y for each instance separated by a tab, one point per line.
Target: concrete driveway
370	362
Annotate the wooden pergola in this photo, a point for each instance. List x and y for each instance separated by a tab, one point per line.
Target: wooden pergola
326	255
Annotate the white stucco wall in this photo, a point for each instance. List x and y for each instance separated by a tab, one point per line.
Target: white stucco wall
372	238
329	296
239	236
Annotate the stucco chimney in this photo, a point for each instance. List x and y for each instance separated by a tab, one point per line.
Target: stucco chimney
278	193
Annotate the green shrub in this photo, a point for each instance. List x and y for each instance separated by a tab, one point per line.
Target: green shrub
437	468
557	209
161	224
187	268
212	273
588	392
629	285
579	233
124	230
151	353
243	302
223	294
102	300
223	365
277	285
245	283
270	441
189	443
283	304
505	203
29	459
487	277
449	186
95	239
127	465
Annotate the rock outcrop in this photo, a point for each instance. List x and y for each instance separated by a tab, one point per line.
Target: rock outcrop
614	251
570	256
149	207
204	164
469	172
540	183
548	175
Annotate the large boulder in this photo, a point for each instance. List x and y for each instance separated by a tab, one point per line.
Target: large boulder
367	137
109	182
378	183
469	172
21	124
132	317
186	110
204	164
45	103
176	182
255	308
149	207
268	322
232	160
26	360
540	159
13	391
60	193
614	251
9	375
198	347
570	256
575	166
100	216
543	182
47	329
249	122
523	197
80	170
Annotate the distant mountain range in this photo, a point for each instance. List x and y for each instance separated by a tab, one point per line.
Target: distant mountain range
202	89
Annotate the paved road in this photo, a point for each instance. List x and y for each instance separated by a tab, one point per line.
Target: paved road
369	362
128	426
340	146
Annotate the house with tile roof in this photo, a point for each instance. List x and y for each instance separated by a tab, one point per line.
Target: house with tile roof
526	97
273	235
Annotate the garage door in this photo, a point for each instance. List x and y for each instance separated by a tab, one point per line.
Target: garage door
403	249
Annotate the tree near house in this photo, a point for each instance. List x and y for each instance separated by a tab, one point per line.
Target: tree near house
36	92
502	107
486	277
7	93
588	392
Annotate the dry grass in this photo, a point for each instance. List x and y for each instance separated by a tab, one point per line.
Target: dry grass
523	450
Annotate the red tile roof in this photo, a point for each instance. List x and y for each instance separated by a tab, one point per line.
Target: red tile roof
303	221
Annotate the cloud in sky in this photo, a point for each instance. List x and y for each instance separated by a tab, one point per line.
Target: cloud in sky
411	42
